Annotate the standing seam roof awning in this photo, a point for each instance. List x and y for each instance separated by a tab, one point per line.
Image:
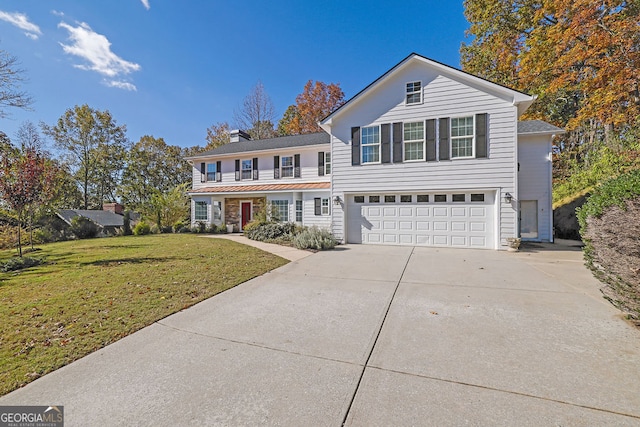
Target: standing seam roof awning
262	187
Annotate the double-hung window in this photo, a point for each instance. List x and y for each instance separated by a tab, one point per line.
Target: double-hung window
211	171
287	166
414	93
462	137
247	169
327	163
200	211
325	207
298	210
216	207
414	141
281	209
371	144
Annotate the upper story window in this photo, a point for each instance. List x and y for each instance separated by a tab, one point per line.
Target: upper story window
211	171
414	93
287	166
414	141
247	169
462	137
371	144
327	163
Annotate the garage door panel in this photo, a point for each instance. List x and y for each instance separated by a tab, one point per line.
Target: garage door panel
457	224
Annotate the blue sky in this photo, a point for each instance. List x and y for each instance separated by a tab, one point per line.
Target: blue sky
172	68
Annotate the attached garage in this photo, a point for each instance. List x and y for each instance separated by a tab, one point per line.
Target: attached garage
449	219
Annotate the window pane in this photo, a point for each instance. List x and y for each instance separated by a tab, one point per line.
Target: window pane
358	199
462	147
440	198
413	131
458	198
414	151
370	135
287	166
247	166
389	199
217	211
325	206
406	199
200	213
281	208
370	154
477	197
211	172
374	199
298	210
423	198
327	163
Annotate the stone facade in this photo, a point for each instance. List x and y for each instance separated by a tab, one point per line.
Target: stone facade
232	209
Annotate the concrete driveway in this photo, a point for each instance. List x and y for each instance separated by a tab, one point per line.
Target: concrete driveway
372	335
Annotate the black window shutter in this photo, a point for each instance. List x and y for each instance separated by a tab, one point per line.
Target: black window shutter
296	165
255	168
203	172
218	171
397	142
237	169
317	205
276	167
321	163
444	144
481	135
431	140
385	137
355	146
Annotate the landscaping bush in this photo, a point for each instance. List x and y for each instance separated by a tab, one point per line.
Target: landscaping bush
611	232
19	263
271	231
83	228
314	238
200	227
141	229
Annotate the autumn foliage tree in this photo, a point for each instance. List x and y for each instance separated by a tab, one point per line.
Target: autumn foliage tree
315	102
580	57
26	178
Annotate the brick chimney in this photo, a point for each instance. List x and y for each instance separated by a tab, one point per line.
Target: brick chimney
116	208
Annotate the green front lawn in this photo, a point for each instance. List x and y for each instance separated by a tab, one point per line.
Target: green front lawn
90	293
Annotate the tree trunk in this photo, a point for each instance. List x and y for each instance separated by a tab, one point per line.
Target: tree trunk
20	233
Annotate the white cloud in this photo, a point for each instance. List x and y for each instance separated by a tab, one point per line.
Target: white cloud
21	21
146	4
96	50
57	13
121	85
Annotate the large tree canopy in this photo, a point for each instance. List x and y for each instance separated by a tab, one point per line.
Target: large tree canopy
11	77
94	147
581	57
315	102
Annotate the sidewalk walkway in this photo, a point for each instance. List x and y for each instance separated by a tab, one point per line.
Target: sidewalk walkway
286	252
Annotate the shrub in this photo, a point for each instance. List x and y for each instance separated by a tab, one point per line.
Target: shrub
200	227
20	263
141	229
83	228
271	231
314	238
166	229
177	226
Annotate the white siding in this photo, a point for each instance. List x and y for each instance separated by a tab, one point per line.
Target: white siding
442	97
308	168
534	179
309	217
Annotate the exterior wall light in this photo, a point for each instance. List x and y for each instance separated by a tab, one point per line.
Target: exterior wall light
337	200
508	197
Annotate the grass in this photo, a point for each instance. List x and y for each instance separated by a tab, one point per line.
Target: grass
90	293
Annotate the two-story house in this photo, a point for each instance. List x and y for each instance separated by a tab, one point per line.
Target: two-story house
425	155
293	174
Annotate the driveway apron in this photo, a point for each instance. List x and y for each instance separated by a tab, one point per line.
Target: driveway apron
372	335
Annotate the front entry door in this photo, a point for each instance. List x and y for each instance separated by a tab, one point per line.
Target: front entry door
529	219
245	208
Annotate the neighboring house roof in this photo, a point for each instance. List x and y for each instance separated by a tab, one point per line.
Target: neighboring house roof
102	218
521	99
267	144
263	187
537	127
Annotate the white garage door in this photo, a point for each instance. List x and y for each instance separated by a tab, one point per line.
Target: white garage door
428	219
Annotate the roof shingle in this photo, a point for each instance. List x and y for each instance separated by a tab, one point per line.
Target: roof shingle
268	144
